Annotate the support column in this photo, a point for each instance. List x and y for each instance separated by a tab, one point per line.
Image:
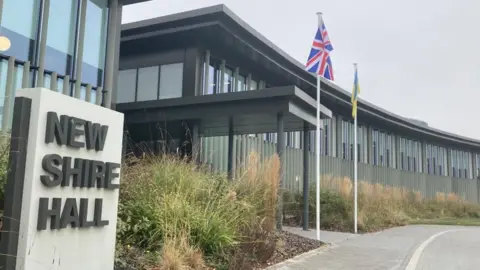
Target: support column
281	155
43	44
9	95
339	134
306	147
424	157
230	148
112	39
113	94
80	45
249	81
207	72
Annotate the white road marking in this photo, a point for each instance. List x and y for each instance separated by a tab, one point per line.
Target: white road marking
412	264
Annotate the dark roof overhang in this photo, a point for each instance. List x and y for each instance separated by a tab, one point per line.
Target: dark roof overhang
251	111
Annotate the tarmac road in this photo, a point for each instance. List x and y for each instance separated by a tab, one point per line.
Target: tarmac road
417	247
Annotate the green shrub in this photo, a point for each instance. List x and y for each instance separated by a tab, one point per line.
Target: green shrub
165	199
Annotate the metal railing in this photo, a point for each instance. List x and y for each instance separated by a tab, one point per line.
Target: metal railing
21	74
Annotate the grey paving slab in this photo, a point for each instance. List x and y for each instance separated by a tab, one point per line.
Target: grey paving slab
390	249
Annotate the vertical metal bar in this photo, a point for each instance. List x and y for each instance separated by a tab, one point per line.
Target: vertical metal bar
207	72
306	147
43	44
7	103
53	82
230	148
111	48
81	39
88	93
66	85
281	155
98	99
26	75
113	94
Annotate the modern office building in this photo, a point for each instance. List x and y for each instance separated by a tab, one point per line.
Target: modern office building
70	46
206	77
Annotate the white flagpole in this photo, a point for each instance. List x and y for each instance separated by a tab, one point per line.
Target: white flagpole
319	14
355	172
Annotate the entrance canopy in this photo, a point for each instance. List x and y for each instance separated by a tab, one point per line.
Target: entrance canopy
251	112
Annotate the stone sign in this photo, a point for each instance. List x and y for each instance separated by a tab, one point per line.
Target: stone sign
63	185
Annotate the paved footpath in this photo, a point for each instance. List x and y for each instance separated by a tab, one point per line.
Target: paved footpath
417	247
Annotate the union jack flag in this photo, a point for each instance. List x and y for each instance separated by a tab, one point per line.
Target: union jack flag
319	60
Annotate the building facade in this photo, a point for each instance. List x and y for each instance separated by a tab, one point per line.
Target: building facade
70	46
211	52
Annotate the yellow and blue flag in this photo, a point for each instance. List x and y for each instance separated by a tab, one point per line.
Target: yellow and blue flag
355	93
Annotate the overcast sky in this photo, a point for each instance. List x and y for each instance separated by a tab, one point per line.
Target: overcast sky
417	58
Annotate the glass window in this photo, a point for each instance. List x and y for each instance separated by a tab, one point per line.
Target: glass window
212	82
253	85
127	82
61	36
227	81
147	88
20	26
240	83
95	42
171	80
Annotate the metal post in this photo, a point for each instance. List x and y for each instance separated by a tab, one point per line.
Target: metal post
7	103
43	44
88	93
26	75
53	82
111	52
306	154
230	148
98	98
81	39
281	155
66	85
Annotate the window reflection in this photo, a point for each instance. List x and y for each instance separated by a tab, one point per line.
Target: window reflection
20	26
227	81
147	83
253	85
95	42
61	36
241	83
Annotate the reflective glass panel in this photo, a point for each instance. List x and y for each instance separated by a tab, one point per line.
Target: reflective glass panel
61	36
19	23
95	42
